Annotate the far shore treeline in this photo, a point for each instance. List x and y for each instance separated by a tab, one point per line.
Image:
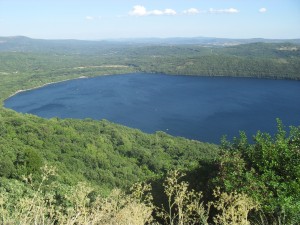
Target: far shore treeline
68	171
31	63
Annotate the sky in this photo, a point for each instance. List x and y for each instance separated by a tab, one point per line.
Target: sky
114	19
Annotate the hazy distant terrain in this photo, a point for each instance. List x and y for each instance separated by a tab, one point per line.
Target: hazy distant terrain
18	43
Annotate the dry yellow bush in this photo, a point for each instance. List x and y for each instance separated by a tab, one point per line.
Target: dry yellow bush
136	208
233	208
184	206
35	208
116	209
41	208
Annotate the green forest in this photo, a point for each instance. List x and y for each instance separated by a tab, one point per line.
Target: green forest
70	171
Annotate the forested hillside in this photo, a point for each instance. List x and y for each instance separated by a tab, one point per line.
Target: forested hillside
68	171
106	154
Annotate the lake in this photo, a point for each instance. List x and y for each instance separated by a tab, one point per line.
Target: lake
200	108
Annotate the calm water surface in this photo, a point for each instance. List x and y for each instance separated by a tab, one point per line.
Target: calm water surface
202	108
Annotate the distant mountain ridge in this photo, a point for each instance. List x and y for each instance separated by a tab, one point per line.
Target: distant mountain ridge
22	43
205	40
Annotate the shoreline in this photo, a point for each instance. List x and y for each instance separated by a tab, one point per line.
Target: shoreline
54	82
84	77
43	85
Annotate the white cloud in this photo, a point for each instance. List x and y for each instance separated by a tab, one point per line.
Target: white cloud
89	18
262	10
191	11
155	12
139	10
170	12
229	10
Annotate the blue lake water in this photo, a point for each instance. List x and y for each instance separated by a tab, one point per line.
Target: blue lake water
201	108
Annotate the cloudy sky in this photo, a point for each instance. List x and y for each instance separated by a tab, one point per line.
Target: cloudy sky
99	19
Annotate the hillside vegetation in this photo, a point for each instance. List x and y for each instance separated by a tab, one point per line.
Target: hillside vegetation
240	183
68	171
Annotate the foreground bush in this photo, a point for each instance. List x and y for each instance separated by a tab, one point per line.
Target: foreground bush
268	170
79	205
